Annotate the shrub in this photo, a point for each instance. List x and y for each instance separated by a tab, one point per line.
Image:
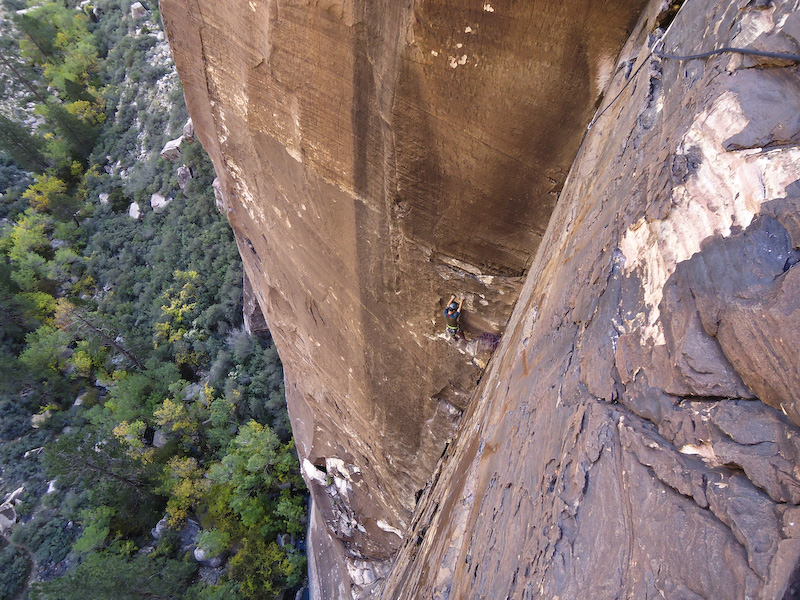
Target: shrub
50	540
262	568
213	542
14	569
15	419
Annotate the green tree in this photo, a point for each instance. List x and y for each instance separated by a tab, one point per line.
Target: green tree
29	251
187	487
256	470
96	527
69	137
58	38
14	569
21	313
178	308
87	459
173	416
108	574
83	323
44	349
213	541
228	590
40	35
264	569
136	395
46	193
24	147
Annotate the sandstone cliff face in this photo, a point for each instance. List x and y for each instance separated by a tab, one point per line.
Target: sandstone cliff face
373	158
636	434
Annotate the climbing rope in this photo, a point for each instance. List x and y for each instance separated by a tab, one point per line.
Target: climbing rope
794	57
624	87
664	55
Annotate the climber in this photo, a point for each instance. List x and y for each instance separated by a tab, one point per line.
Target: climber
451	315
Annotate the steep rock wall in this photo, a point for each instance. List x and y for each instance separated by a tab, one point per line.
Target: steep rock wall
373	158
636	434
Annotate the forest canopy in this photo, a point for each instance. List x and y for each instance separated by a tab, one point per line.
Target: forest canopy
146	427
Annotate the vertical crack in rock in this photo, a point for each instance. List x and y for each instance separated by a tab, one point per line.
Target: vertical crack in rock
641	408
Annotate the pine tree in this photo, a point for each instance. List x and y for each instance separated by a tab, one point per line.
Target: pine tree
23	147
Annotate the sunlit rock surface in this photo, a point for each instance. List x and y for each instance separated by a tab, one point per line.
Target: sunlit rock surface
636	435
375	157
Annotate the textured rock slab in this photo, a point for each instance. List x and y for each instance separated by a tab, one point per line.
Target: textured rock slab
635	435
375	157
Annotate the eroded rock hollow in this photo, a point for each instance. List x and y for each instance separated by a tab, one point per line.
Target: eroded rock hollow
636	431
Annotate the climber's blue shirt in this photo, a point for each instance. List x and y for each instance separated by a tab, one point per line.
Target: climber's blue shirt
452	319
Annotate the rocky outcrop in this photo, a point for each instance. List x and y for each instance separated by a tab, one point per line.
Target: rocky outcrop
375	157
637	433
172	150
184	176
219	199
138	11
158	202
188	132
8	512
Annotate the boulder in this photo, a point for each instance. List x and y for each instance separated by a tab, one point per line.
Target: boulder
8	516
103	198
193	391
201	556
138	11
160	528
33	451
159	202
15	495
38	419
134	212
172	149
184	174
81	398
189	534
188	132
160	438
209	575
